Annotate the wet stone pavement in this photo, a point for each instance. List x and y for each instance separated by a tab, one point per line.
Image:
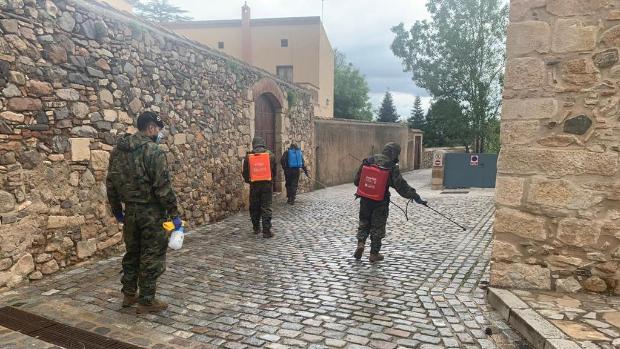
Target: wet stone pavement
592	320
228	288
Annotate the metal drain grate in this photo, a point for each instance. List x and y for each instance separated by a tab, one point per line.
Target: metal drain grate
56	333
455	192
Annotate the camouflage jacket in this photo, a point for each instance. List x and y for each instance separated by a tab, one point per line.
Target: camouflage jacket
246	163
138	174
395	181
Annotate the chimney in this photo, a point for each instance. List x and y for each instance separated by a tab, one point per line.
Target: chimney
246	34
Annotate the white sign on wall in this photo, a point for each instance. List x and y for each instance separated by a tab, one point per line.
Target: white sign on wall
437	159
474	160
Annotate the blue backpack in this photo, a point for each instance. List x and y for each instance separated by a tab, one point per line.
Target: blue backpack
295	159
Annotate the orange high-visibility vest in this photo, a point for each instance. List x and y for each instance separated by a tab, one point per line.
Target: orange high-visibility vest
260	167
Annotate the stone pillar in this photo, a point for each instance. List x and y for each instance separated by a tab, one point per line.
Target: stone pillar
438	170
557	224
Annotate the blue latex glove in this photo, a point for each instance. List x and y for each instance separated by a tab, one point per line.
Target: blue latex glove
178	223
419	200
120	217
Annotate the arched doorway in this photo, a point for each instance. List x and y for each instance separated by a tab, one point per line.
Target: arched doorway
265	127
270	106
265	120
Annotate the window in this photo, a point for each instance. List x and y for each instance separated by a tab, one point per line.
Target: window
285	72
284	43
220	45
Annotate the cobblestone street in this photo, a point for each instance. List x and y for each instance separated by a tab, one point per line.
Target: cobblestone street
228	288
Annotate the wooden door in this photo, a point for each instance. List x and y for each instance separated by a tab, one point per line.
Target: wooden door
265	126
410	156
265	121
418	153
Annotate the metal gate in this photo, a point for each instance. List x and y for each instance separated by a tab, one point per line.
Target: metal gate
462	170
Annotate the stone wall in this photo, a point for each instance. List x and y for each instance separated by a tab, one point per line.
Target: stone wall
73	77
342	142
427	155
558	192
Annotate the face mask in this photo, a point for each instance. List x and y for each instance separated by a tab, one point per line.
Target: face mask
159	137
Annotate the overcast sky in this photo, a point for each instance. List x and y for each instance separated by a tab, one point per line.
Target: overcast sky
359	28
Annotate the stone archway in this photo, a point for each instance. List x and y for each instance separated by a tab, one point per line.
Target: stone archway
269	105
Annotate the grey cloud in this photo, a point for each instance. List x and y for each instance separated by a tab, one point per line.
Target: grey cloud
382	70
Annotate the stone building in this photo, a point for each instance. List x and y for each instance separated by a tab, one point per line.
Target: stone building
296	49
74	75
558	192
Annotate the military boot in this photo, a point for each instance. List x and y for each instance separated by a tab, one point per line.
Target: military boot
375	257
359	251
257	230
267	233
154	307
129	300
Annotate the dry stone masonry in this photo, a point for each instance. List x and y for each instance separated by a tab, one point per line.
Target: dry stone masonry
74	75
558	192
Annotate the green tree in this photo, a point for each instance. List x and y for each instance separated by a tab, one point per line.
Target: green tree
351	100
387	111
447	125
459	54
416	120
493	142
159	11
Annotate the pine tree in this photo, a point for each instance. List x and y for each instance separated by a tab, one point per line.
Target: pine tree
416	120
160	11
387	112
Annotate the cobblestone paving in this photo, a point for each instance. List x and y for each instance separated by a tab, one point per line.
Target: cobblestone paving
228	288
592	320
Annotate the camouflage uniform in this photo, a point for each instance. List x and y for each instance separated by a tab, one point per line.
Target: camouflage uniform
139	178
260	192
374	214
291	176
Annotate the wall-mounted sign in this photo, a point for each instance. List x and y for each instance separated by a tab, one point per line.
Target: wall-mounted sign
437	160
474	160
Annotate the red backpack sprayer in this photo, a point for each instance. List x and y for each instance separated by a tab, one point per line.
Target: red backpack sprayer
373	184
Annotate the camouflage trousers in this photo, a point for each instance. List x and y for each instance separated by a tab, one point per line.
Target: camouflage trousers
260	204
373	218
291	176
146	243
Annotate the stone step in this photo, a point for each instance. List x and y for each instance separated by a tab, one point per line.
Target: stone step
538	331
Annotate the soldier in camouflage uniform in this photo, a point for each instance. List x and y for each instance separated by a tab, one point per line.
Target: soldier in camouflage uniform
138	177
374	214
260	192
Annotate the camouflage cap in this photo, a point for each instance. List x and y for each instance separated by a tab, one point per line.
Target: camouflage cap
258	142
147	117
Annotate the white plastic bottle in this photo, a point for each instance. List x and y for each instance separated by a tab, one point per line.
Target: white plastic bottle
176	239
